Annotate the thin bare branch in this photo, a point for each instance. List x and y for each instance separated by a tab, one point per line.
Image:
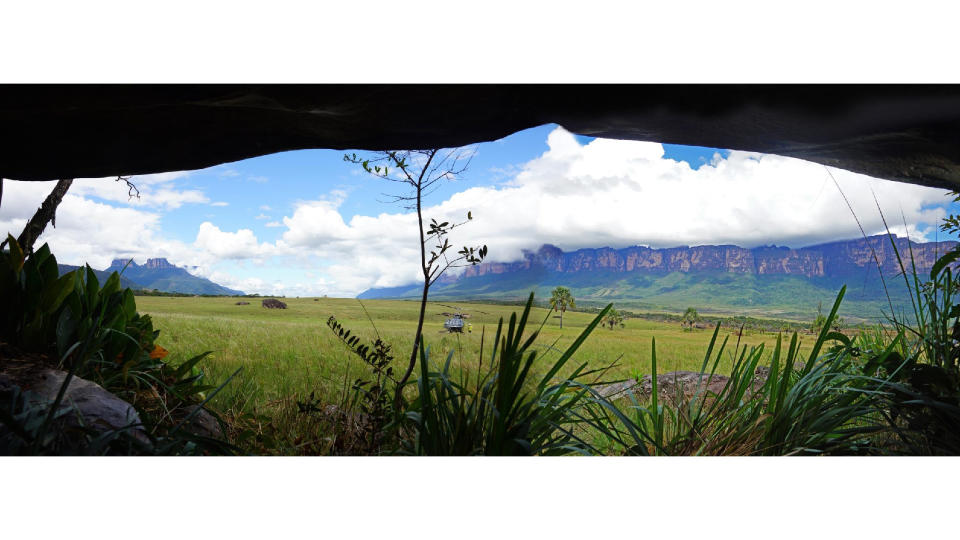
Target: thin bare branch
132	190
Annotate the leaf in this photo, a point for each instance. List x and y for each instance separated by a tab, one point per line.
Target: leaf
185	367
56	292
16	254
66	328
942	262
92	287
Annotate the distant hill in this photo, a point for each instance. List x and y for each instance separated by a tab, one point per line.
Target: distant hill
766	280
161	275
157	274
102	276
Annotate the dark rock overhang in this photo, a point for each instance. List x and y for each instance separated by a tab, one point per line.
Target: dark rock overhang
909	133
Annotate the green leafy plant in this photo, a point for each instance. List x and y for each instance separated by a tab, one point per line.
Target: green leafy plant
923	405
820	406
505	410
96	333
372	402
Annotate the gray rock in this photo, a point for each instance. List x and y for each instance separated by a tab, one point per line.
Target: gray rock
204	424
99	409
670	386
616	390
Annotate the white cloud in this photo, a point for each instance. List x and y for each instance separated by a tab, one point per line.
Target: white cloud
217	245
155	190
617	193
86	231
220	203
265	208
258	179
273	224
262	216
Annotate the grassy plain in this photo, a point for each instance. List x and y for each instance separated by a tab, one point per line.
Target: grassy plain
287	354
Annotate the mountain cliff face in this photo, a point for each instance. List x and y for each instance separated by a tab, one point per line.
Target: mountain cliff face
160	274
767	280
824	260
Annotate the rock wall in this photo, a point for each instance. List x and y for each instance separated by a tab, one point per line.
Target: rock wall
833	259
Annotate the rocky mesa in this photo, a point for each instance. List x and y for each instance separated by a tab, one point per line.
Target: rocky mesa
833	259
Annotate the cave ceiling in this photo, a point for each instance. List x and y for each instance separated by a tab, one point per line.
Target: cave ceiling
908	133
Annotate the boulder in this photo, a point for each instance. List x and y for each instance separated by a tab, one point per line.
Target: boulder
99	409
683	384
670	386
243	303
273	303
203	423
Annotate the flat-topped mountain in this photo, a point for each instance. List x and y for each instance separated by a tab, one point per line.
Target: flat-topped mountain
160	274
766	279
152	264
833	259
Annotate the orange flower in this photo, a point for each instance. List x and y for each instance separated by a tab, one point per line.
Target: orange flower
158	353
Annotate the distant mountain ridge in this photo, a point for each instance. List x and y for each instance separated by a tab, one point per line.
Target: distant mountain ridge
160	274
823	260
727	277
102	276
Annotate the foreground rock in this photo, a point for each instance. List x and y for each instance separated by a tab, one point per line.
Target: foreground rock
203	423
88	407
273	303
99	409
679	384
670	386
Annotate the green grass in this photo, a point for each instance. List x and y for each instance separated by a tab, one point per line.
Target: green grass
286	354
718	293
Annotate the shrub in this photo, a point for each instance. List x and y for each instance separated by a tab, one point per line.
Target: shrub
820	406
95	332
273	303
504	411
922	406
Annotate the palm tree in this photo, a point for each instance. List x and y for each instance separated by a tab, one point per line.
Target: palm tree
690	317
560	300
614	318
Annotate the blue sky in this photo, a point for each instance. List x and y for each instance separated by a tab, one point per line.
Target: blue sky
308	223
260	190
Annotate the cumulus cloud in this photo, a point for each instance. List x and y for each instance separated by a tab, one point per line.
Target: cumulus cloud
217	245
219	203
619	193
86	231
152	190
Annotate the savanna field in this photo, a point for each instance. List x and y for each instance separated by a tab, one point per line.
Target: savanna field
287	354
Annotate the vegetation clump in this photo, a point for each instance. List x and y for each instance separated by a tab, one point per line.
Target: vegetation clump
71	323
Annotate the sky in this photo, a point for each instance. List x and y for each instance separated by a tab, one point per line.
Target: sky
307	223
